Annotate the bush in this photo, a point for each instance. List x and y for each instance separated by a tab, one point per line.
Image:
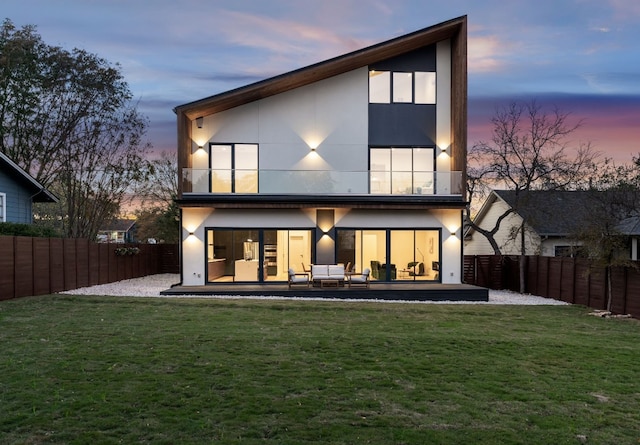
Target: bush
15	229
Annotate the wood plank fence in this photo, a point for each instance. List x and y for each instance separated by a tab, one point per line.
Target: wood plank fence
574	280
40	266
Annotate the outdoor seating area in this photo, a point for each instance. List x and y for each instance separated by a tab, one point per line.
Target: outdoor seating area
328	275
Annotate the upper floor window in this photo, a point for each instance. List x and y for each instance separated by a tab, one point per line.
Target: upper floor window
3	207
402	87
234	168
403	171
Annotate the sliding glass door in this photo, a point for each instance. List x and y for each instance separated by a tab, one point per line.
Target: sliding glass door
256	255
390	254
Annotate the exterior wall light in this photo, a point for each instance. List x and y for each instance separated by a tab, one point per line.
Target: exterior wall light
199	122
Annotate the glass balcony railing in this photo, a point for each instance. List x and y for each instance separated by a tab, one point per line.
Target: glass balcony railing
321	182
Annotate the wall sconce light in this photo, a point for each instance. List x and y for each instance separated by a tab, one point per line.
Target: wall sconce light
199	122
313	149
191	234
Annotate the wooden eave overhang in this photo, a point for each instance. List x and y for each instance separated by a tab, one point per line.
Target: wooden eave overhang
283	201
323	70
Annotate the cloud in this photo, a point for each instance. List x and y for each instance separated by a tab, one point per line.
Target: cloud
283	36
487	54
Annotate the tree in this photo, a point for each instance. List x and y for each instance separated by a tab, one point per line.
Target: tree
613	201
68	119
159	216
529	150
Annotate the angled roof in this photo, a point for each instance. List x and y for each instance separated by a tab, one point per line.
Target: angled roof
561	212
119	225
39	192
323	70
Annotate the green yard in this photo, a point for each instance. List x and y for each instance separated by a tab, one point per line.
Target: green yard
100	370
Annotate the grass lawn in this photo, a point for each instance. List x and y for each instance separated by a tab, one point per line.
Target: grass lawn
101	370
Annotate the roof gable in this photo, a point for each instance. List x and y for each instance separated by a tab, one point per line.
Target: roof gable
39	192
329	68
558	212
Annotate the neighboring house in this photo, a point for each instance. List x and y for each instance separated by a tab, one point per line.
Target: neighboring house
18	191
359	160
551	219
118	231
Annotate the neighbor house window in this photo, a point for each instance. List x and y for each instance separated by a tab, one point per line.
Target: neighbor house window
234	168
403	171
3	207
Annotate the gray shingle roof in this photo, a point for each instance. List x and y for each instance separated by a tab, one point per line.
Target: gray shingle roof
561	213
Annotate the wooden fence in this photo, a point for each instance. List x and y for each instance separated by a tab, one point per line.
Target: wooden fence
574	280
40	266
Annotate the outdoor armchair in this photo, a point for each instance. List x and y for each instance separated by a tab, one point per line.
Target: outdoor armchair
298	278
360	280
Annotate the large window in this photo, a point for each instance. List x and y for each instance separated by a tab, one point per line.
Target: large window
391	255
256	255
3	207
401	171
402	87
234	168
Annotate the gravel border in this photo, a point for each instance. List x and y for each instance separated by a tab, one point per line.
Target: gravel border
152	285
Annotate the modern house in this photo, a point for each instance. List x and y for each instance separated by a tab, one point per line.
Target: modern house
551	219
358	160
18	191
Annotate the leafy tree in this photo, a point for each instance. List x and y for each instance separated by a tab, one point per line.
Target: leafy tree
159	216
68	119
614	211
529	150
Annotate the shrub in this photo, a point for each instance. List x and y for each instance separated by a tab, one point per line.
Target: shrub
16	229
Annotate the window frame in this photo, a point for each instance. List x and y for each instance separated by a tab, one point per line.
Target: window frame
389	174
3	207
232	169
390	93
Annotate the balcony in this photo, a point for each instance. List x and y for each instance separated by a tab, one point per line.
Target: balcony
321	182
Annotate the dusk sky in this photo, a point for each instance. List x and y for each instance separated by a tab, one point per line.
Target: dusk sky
580	55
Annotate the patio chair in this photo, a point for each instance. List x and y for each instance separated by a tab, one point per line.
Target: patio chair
360	280
301	279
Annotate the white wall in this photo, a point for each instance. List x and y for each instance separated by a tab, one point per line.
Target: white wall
478	244
331	115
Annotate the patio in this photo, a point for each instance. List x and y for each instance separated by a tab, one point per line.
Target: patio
376	291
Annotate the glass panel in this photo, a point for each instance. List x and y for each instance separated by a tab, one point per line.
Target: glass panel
346	248
299	255
372	246
220	168
427	255
246	181
425	88
402	253
403	87
401	178
379	87
219	254
423	171
380	168
246	255
246	156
